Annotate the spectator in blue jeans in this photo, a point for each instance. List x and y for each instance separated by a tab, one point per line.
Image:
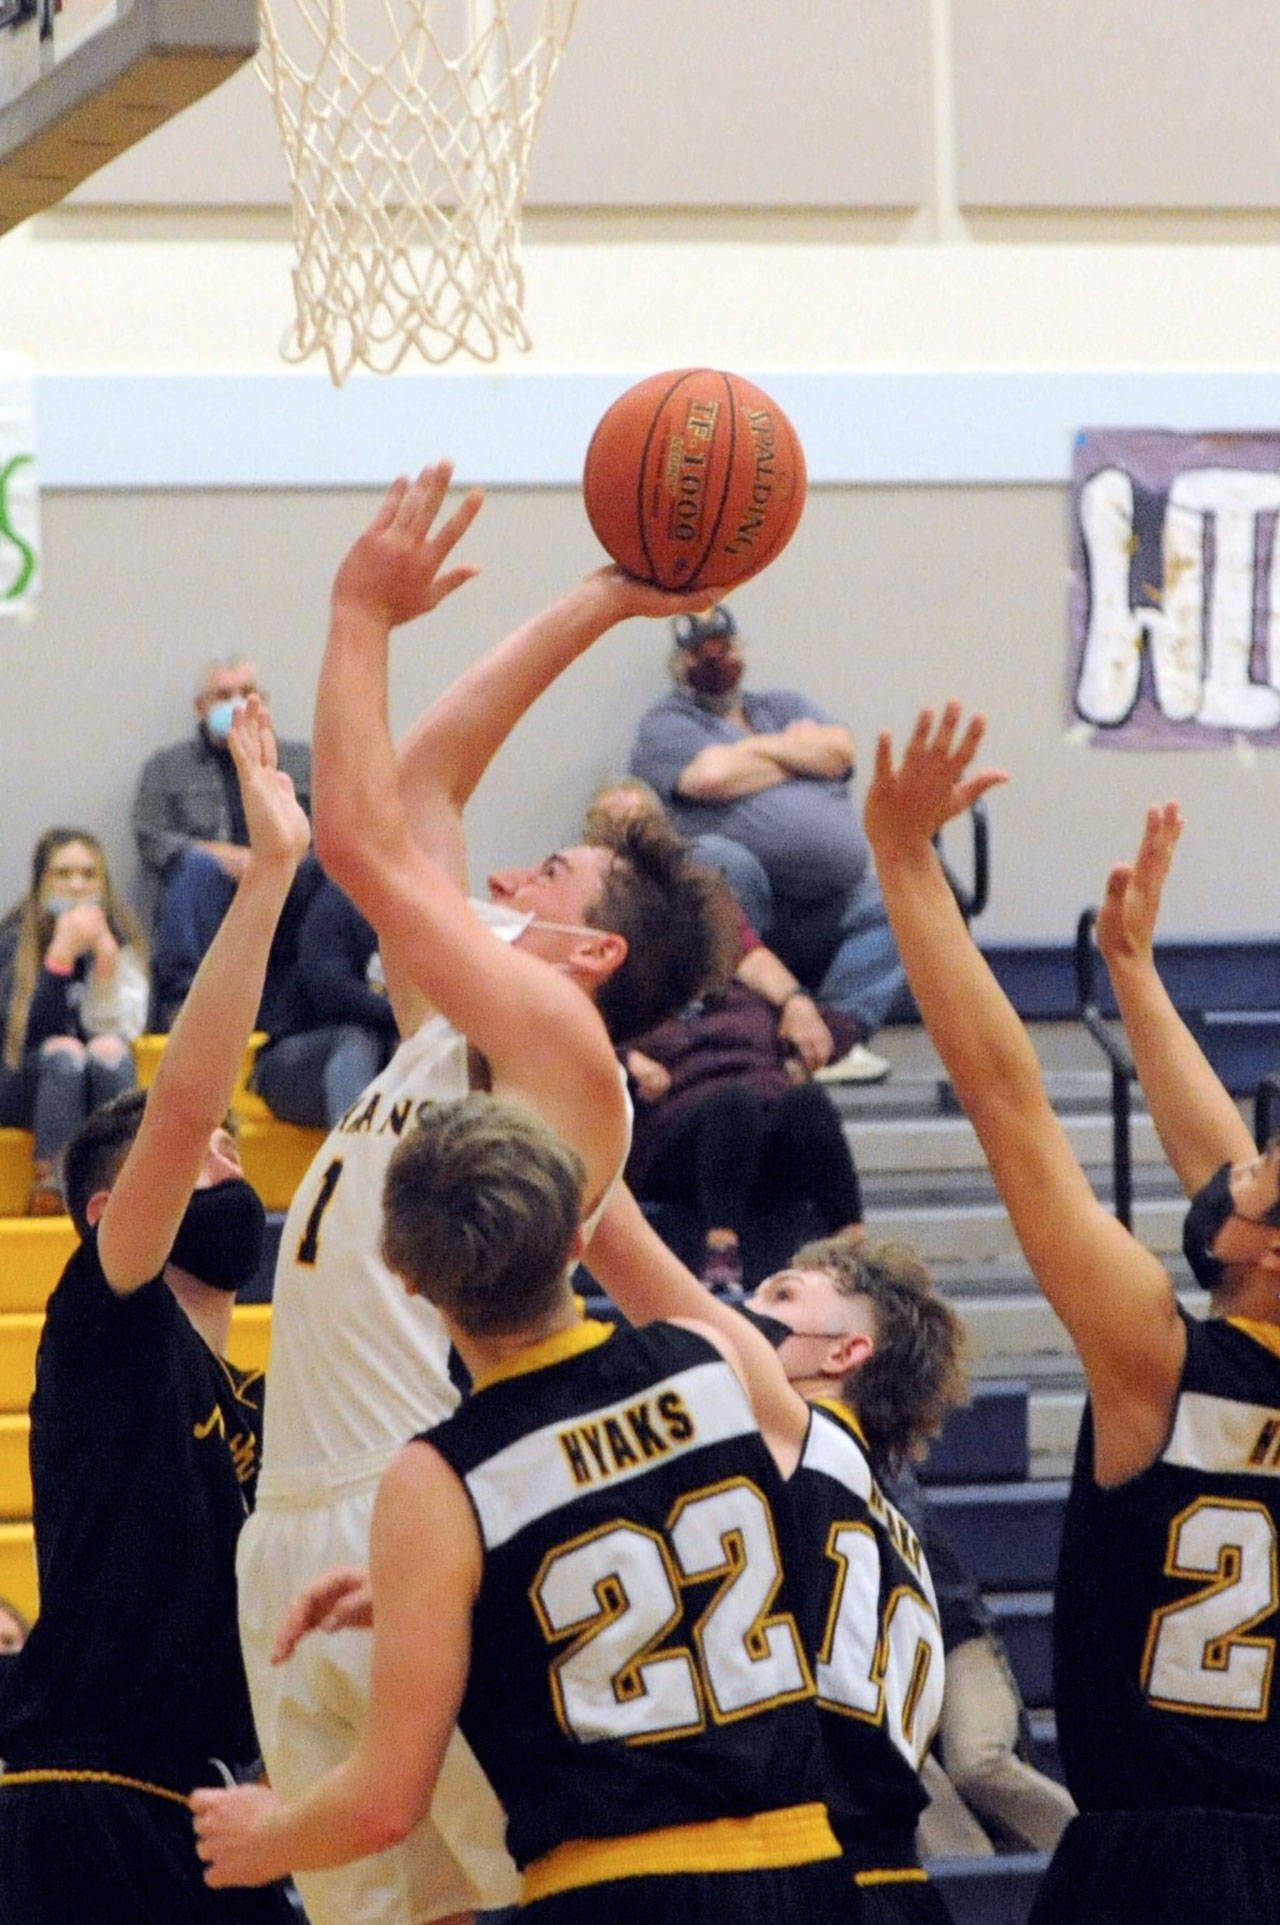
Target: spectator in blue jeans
73	991
334	1028
189	825
759	780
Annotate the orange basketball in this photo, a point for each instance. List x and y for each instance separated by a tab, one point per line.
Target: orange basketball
694	479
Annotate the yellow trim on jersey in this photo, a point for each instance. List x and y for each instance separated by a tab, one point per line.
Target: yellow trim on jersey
90	1778
795	1835
905	1875
843	1414
583	1334
1267	1334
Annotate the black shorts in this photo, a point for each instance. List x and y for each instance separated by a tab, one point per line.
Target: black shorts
903	1901
71	1853
794	1895
1163	1868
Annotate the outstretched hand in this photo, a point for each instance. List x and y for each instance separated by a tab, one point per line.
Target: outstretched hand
1126	922
906	806
395	571
277	824
339	1600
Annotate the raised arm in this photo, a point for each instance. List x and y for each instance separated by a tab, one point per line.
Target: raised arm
201	1061
648	1282
1195	1118
1114	1297
544	1042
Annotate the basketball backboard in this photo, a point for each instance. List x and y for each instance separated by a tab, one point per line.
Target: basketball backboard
81	80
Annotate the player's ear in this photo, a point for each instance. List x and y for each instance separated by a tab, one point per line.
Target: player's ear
598	956
847	1353
95	1206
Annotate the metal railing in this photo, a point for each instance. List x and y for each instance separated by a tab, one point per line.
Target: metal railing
1116	1051
1266	1102
971	898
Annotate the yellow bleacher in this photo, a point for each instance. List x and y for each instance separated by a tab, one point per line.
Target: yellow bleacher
33	1251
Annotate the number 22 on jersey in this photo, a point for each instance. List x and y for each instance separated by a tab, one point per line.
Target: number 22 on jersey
616	1593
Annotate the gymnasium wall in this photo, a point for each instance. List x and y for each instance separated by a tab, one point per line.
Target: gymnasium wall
947	232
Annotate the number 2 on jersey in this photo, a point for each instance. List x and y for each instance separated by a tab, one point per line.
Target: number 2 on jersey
1197	1655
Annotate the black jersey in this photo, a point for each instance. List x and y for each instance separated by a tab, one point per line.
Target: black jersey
1167	1607
143	1444
636	1664
878	1661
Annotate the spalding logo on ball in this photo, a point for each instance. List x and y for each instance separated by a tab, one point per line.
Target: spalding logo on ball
694	479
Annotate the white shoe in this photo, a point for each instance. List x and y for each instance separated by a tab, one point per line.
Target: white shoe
861	1065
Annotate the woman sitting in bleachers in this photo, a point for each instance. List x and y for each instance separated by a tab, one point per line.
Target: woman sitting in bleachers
74	992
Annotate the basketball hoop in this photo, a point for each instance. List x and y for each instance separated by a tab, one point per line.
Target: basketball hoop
407	128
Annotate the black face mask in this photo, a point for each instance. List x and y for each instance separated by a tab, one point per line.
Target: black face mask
221	1235
1210	1207
771	1327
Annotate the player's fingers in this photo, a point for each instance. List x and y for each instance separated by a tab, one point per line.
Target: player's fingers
922	731
884	756
390	505
967	747
422	503
460	520
454	578
946	729
978	784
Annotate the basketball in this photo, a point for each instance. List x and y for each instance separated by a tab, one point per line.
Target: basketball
694	479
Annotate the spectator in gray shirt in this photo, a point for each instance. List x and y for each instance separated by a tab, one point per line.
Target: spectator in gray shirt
760	780
190	829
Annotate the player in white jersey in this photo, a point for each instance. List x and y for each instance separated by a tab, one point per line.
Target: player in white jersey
356	1366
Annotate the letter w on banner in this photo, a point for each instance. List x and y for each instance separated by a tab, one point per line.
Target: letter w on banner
19	494
1175	591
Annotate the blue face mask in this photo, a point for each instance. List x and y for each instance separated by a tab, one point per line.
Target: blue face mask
219	719
57	905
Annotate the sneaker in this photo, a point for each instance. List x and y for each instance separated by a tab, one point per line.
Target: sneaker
861	1065
722	1270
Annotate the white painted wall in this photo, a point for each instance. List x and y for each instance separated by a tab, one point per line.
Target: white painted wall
935	350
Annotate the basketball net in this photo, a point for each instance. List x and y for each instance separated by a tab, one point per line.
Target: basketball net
407	128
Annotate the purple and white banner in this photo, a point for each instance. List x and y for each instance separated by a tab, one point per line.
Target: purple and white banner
1175	589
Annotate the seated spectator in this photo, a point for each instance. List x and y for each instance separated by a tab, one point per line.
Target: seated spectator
728	1121
982	1771
74	991
190	829
336	1030
801	1027
760	780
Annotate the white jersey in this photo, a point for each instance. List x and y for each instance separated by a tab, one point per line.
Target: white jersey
357	1365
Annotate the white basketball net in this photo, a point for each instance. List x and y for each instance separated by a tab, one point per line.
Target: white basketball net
407	128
